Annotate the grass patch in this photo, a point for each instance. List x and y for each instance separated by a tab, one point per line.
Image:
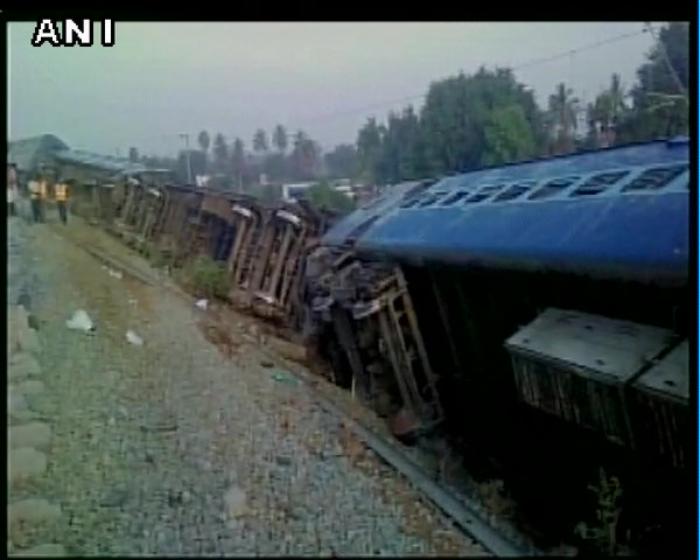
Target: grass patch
207	278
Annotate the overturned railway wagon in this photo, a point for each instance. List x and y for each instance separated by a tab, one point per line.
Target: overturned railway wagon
536	312
262	247
556	288
544	323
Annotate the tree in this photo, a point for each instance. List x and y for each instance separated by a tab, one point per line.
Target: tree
369	147
238	162
324	197
203	140
401	156
197	164
605	113
260	141
458	111
279	138
220	152
133	155
342	161
660	104
305	156
508	136
276	166
563	108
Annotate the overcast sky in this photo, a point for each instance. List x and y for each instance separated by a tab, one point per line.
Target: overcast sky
161	79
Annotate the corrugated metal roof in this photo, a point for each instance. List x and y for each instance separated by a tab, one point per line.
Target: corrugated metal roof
620	212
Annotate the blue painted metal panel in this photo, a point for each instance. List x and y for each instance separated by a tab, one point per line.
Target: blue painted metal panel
618	232
344	229
639	237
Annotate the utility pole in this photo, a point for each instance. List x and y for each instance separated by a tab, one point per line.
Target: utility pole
667	61
186	138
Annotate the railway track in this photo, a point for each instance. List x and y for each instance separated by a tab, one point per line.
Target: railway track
463	512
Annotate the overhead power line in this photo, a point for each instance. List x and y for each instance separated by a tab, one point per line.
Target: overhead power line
526	64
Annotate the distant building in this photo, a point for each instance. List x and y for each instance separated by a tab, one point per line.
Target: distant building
294	191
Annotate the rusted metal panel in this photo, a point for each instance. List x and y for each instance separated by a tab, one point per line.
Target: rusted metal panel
375	296
218	206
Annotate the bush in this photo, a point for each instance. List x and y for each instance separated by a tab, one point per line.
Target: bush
209	278
603	533
324	197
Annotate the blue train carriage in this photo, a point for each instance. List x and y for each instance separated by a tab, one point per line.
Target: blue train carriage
584	255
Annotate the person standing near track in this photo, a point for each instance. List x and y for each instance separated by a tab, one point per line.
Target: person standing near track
61	194
35	198
12	189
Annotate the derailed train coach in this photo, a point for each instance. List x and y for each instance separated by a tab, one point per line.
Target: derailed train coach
262	246
542	303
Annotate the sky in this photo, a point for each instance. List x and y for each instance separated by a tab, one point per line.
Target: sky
163	79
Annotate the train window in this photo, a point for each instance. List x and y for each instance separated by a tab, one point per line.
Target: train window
410	203
362	228
655	179
429	199
514	191
553	187
455	198
484	193
599	183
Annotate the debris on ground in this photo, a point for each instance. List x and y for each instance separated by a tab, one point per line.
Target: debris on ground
133	338
284	377
115	273
80	321
234	503
266	364
286	349
202	304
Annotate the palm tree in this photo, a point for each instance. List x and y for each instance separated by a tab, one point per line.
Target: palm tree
279	138
260	141
238	162
204	141
605	113
563	107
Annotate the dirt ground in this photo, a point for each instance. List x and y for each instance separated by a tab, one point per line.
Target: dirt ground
193	443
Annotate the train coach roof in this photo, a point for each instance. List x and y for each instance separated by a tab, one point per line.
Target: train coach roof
619	212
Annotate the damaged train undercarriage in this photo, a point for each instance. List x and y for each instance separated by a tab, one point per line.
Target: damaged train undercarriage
536	312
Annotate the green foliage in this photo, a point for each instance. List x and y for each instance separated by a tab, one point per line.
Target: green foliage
659	106
342	161
562	120
603	534
305	157
325	197
209	278
204	140
238	163
268	193
220	152
276	166
197	164
508	136
279	139
260	141
369	148
467	121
